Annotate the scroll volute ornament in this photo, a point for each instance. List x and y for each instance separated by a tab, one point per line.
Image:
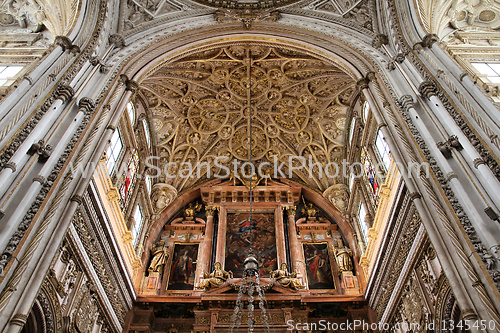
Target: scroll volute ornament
162	195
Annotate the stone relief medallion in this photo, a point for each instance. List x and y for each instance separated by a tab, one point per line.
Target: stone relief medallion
206	100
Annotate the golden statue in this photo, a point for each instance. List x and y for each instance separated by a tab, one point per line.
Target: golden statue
343	256
192	209
214	279
309	210
160	256
285	279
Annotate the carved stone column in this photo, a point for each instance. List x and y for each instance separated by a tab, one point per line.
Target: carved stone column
296	253
206	246
221	237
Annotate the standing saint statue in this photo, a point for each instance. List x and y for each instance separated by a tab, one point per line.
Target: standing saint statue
160	256
343	256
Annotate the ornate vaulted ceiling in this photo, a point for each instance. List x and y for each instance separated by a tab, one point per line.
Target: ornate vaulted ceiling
200	103
444	16
138	15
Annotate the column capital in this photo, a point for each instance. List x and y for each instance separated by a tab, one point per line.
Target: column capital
380	40
210	210
64	42
132	86
407	102
478	162
65	92
414	196
117	40
429	40
428	89
19	319
77	198
290	210
362	84
40	179
87	104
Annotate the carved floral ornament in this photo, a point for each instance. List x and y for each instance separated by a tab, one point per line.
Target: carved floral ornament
200	106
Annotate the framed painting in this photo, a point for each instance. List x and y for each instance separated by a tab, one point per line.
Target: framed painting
242	232
319	271
183	268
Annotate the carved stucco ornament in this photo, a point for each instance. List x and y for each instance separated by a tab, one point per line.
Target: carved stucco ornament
162	195
338	196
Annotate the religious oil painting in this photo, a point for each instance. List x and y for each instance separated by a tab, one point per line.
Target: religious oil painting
319	272
259	231
182	272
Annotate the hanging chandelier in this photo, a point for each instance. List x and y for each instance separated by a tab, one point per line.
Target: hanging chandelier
250	285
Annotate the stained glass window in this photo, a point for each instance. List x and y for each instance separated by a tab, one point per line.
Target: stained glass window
129	179
369	176
113	151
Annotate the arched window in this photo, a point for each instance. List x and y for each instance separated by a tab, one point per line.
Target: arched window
138	219
129	179
131	112
383	149
351	129
146	130
114	150
369	176
362	221
148	184
366	111
489	69
8	74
